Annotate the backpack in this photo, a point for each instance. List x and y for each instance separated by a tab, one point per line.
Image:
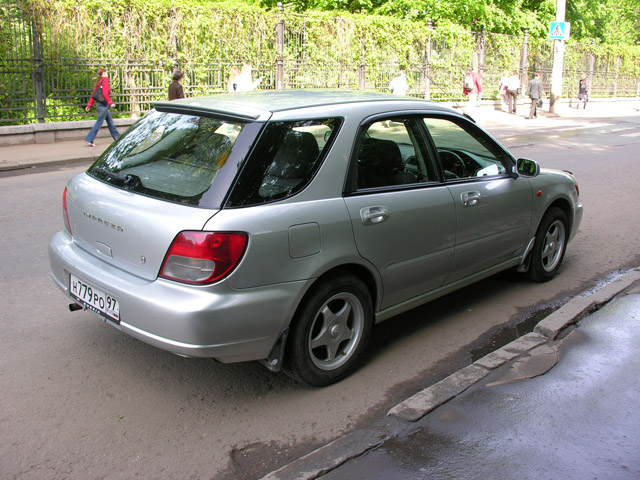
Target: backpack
469	84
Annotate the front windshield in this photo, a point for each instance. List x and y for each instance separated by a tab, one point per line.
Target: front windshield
170	156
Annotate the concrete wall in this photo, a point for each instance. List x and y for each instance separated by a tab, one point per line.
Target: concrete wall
55	131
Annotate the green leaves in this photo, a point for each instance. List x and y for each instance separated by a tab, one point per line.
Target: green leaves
589	18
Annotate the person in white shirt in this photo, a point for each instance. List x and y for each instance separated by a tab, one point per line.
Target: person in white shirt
398	84
504	93
513	85
244	82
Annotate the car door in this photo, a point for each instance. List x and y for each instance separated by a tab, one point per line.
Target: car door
492	207
403	216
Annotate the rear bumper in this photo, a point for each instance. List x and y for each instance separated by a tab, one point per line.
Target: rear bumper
214	321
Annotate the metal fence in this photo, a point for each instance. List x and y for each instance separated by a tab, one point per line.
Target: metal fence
38	86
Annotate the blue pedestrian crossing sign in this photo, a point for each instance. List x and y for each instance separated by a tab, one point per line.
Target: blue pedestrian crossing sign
559	30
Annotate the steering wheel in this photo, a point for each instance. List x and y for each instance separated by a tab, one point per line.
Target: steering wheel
452	163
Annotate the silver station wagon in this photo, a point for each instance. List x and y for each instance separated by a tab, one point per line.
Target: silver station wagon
281	226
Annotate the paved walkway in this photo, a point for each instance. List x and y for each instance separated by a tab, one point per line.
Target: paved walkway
76	151
44	154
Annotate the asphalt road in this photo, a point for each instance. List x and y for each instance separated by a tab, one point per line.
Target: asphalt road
78	399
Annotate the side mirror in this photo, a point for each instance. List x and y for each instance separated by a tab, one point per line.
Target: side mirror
527	168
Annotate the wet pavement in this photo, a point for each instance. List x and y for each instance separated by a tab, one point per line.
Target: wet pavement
558	402
569	410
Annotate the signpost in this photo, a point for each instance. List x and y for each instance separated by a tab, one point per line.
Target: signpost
559	32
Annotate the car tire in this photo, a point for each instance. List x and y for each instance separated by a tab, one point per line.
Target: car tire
330	331
550	246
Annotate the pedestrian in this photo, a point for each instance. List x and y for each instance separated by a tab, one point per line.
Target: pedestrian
398	84
535	93
175	88
583	91
244	81
513	89
231	84
504	94
100	96
472	86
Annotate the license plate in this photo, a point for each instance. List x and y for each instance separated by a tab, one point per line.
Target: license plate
94	299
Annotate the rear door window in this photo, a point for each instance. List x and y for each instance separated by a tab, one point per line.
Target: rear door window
171	156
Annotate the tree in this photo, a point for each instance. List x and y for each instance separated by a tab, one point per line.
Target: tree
590	19
608	21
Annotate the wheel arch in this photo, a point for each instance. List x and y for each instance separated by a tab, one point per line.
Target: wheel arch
287	349
564	205
359	271
354	269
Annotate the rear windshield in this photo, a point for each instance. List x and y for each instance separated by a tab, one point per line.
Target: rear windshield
171	156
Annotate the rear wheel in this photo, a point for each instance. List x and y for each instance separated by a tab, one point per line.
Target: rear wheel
330	332
549	247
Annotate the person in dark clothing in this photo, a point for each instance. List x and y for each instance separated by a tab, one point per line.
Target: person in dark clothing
175	89
102	91
583	92
535	93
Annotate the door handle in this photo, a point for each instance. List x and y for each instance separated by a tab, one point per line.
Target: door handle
373	215
469	199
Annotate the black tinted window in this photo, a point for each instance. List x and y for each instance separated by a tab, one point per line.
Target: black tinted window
284	160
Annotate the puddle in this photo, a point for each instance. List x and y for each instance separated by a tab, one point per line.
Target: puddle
609	278
506	334
499	338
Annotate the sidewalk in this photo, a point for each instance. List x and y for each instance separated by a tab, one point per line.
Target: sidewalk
31	155
548	405
565	115
76	151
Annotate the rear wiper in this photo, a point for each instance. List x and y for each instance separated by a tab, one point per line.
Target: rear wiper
129	180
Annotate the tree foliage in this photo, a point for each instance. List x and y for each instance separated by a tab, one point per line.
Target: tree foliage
606	21
351	44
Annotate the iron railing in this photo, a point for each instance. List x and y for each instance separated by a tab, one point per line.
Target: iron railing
36	86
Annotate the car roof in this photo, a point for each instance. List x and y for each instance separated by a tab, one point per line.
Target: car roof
260	105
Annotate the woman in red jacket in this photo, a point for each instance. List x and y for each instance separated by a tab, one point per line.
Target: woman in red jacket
100	96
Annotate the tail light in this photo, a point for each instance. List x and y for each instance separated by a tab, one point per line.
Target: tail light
67	223
577	189
203	257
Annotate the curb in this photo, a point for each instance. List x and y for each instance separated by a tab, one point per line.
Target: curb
52	132
417	406
359	442
47	163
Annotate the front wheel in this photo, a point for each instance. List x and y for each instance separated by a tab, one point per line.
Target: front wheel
330	331
549	247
